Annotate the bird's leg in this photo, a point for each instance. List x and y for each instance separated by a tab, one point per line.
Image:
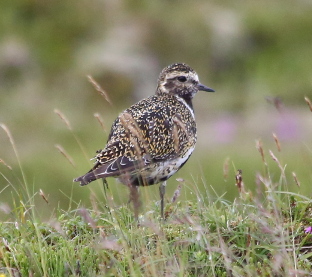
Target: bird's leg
162	190
135	199
108	201
105	189
105	186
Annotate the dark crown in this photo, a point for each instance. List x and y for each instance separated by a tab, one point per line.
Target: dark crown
176	67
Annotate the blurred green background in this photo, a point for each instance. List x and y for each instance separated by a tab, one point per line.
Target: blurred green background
257	55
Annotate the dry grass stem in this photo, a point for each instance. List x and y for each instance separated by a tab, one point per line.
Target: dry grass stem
64	119
308	102
7	131
135	133
260	149
63	152
277	161
155	228
296	179
110	244
277	142
261	179
135	199
176	194
175	135
98	88
129	123
55	224
41	193
179	122
100	120
4	163
87	218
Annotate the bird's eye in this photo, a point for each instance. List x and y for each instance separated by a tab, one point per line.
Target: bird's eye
182	78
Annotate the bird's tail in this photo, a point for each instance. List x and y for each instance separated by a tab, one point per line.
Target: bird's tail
86	179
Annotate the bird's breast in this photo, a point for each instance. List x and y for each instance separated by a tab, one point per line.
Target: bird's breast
164	170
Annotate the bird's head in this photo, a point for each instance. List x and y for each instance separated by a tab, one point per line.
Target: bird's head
181	80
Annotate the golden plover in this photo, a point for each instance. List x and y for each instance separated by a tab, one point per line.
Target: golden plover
153	139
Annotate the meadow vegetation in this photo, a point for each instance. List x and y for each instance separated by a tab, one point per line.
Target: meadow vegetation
265	233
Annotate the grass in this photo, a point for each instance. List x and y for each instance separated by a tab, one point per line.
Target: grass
265	233
250	237
260	235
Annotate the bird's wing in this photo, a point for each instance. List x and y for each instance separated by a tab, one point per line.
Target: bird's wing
113	168
139	131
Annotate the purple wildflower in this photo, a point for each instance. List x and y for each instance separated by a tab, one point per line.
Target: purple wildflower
308	230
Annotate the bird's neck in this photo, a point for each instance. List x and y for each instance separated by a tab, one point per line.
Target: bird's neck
188	101
187	98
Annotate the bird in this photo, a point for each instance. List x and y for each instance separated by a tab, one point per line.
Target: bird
150	141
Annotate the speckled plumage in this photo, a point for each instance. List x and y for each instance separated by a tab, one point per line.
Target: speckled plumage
153	138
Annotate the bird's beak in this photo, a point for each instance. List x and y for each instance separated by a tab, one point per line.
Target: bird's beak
204	88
